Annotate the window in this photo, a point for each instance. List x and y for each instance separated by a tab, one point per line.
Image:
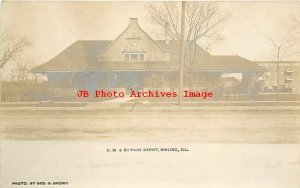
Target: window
134	56
141	57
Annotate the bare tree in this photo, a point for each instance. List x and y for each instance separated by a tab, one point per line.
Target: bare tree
12	75
282	49
203	23
11	46
296	28
22	71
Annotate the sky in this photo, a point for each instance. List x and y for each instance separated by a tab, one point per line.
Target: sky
54	25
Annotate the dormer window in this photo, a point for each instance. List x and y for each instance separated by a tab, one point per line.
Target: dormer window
134	56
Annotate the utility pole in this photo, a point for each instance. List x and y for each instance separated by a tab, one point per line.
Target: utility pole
181	55
277	73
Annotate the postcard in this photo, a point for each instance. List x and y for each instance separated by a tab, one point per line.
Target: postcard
144	94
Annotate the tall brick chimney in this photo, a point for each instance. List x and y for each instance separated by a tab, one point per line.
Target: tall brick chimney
133	21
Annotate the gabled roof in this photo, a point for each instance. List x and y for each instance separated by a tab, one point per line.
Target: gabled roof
173	48
134	20
79	56
86	56
227	63
83	55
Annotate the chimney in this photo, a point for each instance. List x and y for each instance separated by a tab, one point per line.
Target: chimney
167	40
133	21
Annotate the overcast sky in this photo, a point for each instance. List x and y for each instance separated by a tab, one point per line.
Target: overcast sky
52	26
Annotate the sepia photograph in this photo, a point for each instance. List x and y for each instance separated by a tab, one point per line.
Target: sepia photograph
150	94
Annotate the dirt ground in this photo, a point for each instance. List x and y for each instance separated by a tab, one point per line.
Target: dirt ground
51	145
217	126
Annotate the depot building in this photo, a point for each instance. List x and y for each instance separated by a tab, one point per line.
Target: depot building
136	61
